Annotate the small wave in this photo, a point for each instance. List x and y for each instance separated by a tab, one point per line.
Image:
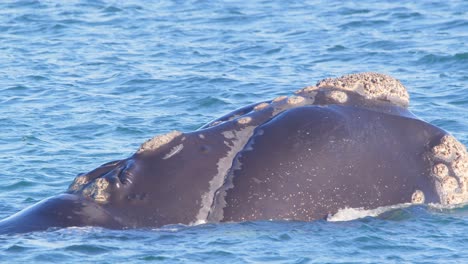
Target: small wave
112	10
19	185
172	228
364	24
88	249
434	58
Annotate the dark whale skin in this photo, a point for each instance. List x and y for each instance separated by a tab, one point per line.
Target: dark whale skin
347	142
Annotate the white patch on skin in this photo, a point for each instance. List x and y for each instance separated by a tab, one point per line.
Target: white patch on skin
257	181
229	134
173	151
240	139
216	214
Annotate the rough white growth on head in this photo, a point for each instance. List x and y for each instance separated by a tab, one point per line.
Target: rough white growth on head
158	141
417	197
337	96
460	166
78	183
370	85
284	103
448	149
450	170
307	90
440	170
280	98
294	100
97	190
244	120
261	106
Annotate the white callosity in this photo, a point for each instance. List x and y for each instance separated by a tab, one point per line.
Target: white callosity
158	141
450	170
371	85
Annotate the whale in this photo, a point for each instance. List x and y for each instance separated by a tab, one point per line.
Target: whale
346	142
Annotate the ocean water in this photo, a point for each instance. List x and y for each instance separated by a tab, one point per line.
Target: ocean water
86	82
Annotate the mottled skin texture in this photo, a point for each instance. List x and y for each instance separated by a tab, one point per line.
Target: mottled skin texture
354	158
347	142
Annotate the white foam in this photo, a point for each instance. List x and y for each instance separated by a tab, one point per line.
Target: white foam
441	207
198	222
172	228
348	214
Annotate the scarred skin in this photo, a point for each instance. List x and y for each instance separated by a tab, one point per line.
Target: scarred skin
346	142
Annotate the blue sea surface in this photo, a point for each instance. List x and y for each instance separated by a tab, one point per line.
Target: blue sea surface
86	82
